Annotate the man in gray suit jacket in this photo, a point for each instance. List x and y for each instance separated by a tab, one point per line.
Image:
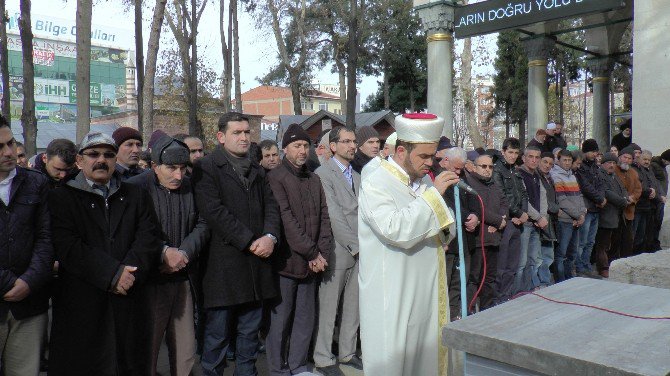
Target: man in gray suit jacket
340	184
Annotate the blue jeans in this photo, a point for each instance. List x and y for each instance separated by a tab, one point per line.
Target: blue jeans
246	319
568	242
547	256
587	238
526	278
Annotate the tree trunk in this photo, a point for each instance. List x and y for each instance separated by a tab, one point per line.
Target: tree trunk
83	86
139	61
236	57
468	95
342	73
412	100
28	119
152	58
226	75
4	66
293	71
387	90
294	85
352	63
193	123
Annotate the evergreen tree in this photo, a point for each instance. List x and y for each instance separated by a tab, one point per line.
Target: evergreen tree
511	81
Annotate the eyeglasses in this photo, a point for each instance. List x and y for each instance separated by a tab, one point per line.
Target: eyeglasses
347	142
97	154
486	166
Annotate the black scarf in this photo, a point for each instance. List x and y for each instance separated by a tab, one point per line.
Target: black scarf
241	165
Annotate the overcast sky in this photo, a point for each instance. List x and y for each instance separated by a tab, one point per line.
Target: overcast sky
258	50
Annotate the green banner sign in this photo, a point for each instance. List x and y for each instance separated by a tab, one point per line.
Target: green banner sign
96	93
496	15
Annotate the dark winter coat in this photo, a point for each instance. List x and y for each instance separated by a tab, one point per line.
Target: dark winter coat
181	225
549	232
508	179
553	142
620	141
660	173
360	160
591	184
534	142
617	200
26	251
94	331
127	173
495	208
42	167
469	205
647	181
236	216
306	228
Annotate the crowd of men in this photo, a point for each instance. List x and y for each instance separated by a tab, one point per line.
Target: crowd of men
242	250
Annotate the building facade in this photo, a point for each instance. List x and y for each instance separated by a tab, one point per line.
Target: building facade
54	56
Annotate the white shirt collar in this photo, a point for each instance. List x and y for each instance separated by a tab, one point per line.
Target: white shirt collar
341	166
6	186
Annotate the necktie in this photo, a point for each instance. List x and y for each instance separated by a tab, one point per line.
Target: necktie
349	176
103	189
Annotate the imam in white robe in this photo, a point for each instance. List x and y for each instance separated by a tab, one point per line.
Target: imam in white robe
403	288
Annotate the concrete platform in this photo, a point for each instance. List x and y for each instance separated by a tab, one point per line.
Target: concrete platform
647	269
557	339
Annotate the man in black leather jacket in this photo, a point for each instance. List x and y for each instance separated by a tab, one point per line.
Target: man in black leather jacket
508	179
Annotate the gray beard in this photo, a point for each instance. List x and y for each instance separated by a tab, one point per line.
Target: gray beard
624	166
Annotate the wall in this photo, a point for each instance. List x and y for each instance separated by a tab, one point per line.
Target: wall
651	76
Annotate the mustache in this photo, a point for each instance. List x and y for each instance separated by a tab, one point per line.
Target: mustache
101	166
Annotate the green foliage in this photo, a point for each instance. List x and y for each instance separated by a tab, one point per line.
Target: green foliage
398	49
511	78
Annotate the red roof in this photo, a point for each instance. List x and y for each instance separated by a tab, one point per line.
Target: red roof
266	92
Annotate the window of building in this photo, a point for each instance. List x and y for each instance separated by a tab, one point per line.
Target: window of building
323	106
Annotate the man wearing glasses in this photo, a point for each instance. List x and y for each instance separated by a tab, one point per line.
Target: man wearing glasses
495	221
106	238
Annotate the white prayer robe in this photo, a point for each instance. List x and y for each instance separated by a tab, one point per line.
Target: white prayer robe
403	288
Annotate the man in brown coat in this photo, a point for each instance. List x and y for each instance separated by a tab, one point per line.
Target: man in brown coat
622	241
307	243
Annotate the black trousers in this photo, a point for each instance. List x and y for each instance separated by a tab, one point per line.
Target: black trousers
508	261
292	321
454	277
488	296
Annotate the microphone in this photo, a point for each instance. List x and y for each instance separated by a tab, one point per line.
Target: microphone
464	186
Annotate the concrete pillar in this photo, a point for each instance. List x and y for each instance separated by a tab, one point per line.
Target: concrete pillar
537	50
651	76
601	68
438	23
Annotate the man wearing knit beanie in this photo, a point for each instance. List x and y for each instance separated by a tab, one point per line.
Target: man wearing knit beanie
367	139
129	141
592	185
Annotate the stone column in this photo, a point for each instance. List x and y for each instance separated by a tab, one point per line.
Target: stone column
438	23
537	50
601	68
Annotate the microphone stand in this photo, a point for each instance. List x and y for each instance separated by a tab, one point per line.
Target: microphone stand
461	254
461	263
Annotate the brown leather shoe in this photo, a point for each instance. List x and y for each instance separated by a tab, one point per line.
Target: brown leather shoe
605	273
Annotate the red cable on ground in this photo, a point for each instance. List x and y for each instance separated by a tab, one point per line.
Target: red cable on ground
481	284
593	307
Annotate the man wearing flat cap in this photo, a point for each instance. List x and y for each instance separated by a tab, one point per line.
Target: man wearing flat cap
107	241
401	223
169	294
